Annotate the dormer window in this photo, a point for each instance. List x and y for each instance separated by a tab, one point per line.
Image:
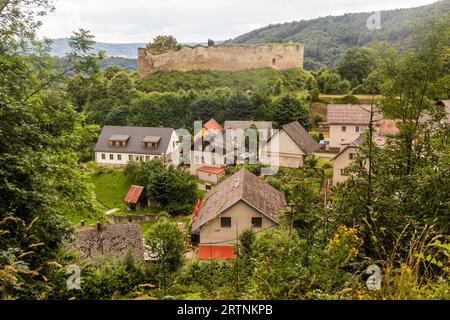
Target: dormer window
118	140
151	142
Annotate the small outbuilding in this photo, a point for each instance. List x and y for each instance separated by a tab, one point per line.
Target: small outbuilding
210	174
136	198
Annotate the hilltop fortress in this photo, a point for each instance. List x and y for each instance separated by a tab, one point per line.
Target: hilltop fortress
278	56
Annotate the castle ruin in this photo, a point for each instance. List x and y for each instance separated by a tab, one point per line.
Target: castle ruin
279	56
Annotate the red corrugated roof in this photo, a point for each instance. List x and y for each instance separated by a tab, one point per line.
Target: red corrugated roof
213	170
213	124
216	252
134	193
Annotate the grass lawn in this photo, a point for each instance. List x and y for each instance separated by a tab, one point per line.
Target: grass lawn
323	161
111	186
364	98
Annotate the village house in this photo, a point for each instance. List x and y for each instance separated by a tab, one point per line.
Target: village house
210	174
244	153
289	147
205	141
136	199
113	239
442	106
118	145
346	121
348	152
243	201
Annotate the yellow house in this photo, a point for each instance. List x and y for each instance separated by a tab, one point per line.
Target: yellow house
241	202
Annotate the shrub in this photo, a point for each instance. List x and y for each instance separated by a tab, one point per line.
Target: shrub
348	99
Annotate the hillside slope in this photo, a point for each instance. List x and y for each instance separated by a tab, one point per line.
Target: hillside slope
326	38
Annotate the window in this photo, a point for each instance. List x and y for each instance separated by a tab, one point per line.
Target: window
147	158
256	222
103	156
111	157
343	172
344	129
357	129
118	143
119	157
130	157
150	145
351	156
225	222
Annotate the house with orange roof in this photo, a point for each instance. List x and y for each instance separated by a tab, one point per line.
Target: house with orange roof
207	147
210	174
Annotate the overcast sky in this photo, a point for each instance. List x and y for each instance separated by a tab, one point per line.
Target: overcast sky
125	21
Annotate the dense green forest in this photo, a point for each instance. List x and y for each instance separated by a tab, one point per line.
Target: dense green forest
393	212
326	39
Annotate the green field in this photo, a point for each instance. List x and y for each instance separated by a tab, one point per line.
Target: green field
111	187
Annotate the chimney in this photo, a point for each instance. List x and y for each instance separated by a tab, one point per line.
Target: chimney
98	227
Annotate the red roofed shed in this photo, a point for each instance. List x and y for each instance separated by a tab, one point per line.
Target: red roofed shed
136	198
210	174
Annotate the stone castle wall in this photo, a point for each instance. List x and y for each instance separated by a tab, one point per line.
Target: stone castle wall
279	56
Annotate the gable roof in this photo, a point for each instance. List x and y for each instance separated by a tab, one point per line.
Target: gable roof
136	137
246	124
301	137
208	128
133	195
213	124
116	239
350	114
243	185
377	139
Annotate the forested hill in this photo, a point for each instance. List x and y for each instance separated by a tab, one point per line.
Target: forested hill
326	38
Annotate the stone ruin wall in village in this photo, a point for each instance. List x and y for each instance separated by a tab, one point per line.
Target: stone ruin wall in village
279	56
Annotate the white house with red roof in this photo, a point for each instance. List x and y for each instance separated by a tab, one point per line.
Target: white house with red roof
210	174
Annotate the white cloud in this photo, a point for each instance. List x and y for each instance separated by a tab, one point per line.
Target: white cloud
193	20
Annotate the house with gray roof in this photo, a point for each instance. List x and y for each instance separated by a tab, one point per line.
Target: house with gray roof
288	147
119	144
241	202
